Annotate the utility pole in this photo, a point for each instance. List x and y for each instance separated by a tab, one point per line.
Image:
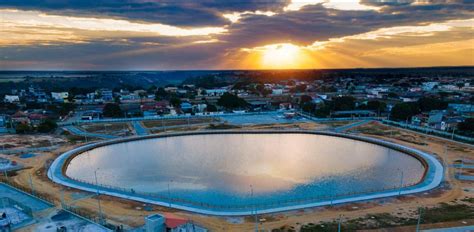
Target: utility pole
255	209
169	194
5	173
31	185
419	220
401	184
339	223
98	197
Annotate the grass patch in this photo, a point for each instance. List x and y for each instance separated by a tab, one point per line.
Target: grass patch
222	126
442	213
177	122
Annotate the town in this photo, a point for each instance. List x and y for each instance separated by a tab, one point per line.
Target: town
443	104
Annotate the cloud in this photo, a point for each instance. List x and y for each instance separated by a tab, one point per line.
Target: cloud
27	27
153	34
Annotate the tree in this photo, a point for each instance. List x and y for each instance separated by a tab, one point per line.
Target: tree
344	103
211	108
160	94
305	99
175	101
308	107
377	106
65	108
112	110
427	104
467	126
301	88
22	128
231	101
47	126
404	111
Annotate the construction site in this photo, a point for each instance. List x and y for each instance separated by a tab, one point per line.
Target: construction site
32	200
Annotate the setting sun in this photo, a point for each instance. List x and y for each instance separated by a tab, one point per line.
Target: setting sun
280	56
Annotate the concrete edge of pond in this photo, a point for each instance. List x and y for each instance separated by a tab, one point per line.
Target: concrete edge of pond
434	173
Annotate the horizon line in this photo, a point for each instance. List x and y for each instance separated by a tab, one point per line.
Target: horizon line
183	70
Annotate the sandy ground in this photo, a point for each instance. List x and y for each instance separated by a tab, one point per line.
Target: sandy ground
129	213
28	141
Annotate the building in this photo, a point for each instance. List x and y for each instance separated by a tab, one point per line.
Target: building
60	96
462	108
170	222
216	92
155	223
106	94
12	98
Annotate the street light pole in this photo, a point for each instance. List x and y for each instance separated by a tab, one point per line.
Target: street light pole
169	194
339	223
31	185
255	209
419	220
98	197
401	184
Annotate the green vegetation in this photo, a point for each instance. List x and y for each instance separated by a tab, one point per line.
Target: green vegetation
22	128
467	127
222	126
442	213
112	110
231	101
406	110
47	126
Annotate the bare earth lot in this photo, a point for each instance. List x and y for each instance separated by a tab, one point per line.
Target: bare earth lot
130	213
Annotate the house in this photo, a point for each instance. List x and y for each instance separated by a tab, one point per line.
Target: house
170	222
60	96
420	119
90	115
428	86
12	98
186	107
106	95
37	118
435	120
171	89
149	110
20	117
461	108
277	91
3	124
131	109
216	92
200	108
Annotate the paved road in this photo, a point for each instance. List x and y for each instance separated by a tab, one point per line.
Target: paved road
349	126
465	177
452	229
139	129
80	132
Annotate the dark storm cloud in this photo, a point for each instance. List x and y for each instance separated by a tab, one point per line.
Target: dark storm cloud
178	13
317	23
134	50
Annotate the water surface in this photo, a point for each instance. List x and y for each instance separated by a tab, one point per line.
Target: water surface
224	169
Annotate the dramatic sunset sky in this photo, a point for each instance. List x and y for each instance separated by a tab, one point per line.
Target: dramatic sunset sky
233	34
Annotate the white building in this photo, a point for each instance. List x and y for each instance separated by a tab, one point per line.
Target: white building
216	92
60	96
427	86
277	91
12	98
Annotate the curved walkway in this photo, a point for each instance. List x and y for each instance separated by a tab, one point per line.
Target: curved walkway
139	129
433	177
80	132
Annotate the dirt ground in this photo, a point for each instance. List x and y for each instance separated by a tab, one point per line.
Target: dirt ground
29	141
130	213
